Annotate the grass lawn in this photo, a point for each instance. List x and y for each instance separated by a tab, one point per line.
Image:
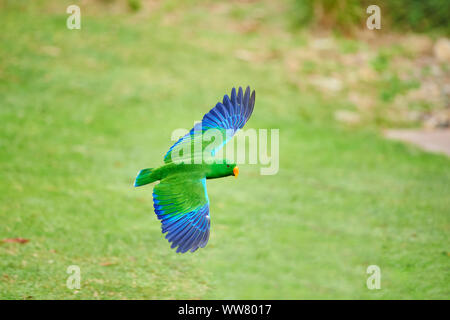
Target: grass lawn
82	111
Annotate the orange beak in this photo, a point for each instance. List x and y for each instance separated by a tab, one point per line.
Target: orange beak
236	171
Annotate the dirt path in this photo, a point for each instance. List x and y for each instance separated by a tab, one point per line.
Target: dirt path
429	140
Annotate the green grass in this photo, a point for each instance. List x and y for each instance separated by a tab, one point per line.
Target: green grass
82	111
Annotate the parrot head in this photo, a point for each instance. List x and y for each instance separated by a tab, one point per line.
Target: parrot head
223	169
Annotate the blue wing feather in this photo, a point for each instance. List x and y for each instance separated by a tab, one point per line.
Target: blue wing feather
231	114
185	221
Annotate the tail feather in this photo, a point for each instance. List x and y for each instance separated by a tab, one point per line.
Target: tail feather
144	177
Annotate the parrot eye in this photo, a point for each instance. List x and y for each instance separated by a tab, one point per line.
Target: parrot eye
228	165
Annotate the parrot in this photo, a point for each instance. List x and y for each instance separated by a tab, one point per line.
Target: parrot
180	199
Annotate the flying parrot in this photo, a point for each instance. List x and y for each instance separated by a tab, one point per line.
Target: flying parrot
180	198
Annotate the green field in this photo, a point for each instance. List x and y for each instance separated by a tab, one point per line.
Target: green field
82	111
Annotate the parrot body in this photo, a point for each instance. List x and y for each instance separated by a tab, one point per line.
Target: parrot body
209	171
180	199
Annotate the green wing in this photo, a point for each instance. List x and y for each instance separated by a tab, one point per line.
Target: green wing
192	148
181	203
221	122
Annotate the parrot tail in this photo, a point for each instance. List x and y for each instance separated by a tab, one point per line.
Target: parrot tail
144	177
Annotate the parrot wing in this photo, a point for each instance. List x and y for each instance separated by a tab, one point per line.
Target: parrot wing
226	117
181	203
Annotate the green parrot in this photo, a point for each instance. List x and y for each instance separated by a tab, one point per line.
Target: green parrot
180	199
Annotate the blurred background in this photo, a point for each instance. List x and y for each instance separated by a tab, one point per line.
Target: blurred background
83	110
